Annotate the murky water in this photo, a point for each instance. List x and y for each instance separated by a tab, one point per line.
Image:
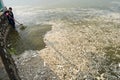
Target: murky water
31	38
84	43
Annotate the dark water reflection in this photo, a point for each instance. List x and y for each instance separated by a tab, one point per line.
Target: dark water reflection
29	39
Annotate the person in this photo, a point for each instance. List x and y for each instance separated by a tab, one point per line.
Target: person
6	12
10	17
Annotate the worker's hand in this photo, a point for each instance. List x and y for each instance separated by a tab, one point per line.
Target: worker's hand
7	14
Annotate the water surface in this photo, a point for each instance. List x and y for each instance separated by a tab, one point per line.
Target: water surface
83	40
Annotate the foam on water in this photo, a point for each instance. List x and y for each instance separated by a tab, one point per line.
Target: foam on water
79	49
76	46
83	43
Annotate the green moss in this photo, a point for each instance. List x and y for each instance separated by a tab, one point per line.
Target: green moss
12	50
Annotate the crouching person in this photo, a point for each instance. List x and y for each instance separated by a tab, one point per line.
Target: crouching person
10	17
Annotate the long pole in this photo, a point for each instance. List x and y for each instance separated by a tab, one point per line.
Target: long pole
15	20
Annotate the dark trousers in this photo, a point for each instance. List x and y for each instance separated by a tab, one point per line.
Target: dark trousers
12	23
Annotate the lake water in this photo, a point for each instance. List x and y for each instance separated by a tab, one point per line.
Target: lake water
87	37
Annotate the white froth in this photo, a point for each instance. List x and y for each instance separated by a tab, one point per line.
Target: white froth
74	46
